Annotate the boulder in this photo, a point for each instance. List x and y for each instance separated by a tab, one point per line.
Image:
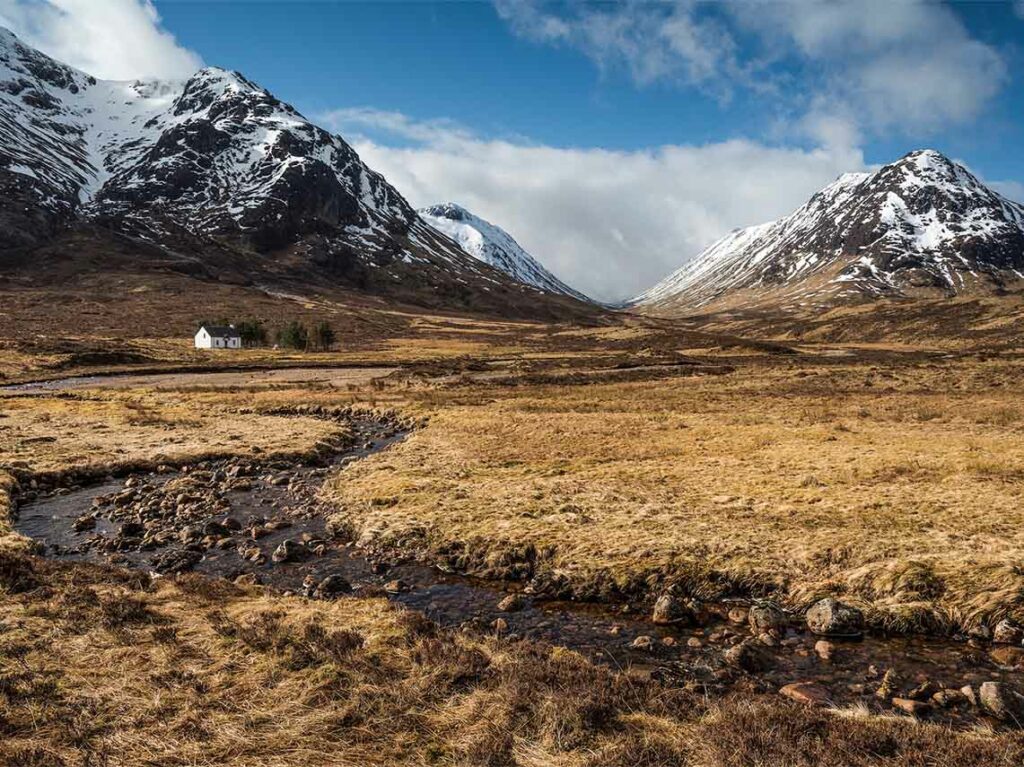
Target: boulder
915	708
332	586
830	617
1002	702
766	617
287	551
669	609
176	561
1007	632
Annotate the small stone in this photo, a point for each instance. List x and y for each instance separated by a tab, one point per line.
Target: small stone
768	640
668	610
948	698
888	686
808	693
748	656
830	617
230	523
824	650
397	586
615	629
694	642
500	625
668	641
766	617
511	603
969	694
913	707
642	642
923	691
84	522
738	615
1007	632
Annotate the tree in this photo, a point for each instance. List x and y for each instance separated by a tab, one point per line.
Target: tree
323	335
293	336
252	332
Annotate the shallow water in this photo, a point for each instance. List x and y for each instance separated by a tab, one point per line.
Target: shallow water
603	632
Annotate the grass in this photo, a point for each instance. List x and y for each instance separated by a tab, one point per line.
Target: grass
797	479
100	666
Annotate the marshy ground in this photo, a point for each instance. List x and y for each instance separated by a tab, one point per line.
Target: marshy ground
609	464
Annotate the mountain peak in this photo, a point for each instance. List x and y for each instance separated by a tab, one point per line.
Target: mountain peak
493	245
922	225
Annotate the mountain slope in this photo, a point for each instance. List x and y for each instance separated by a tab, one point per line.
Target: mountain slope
922	226
493	245
219	169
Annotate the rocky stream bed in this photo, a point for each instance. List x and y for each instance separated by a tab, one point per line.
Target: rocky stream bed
262	522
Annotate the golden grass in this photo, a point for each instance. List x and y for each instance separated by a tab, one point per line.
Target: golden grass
898	485
99	666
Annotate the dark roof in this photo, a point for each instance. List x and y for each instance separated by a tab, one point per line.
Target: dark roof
220	331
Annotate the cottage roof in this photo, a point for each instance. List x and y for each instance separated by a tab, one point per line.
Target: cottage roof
221	331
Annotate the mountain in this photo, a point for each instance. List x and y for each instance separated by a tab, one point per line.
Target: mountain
222	178
923	226
493	245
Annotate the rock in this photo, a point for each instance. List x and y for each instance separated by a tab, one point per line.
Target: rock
969	694
500	625
258	532
232	524
1008	657
332	586
642	642
808	693
824	649
768	640
982	633
397	586
512	603
913	707
830	617
1007	632
176	561
1002	702
668	641
766	617
84	522
669	610
948	698
748	656
287	551
889	685
131	530
694	642
923	691
738	615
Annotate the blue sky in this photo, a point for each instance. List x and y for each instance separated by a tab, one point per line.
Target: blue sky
613	140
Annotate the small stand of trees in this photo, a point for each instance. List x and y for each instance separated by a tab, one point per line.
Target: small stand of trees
295	335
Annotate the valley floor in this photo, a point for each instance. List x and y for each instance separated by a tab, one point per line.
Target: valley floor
606	463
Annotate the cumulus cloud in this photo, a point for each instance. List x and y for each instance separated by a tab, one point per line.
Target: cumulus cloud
610	223
110	39
860	64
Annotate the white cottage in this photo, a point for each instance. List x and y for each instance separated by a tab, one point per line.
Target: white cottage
218	337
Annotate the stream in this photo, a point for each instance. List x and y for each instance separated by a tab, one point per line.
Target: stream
227	519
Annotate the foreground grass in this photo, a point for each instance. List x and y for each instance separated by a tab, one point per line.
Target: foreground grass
896	484
100	666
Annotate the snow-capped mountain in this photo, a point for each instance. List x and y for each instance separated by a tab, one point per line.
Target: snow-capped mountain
493	245
923	225
211	164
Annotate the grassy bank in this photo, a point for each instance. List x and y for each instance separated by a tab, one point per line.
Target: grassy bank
107	666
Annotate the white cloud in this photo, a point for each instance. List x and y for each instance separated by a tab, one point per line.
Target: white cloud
110	39
608	222
856	65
